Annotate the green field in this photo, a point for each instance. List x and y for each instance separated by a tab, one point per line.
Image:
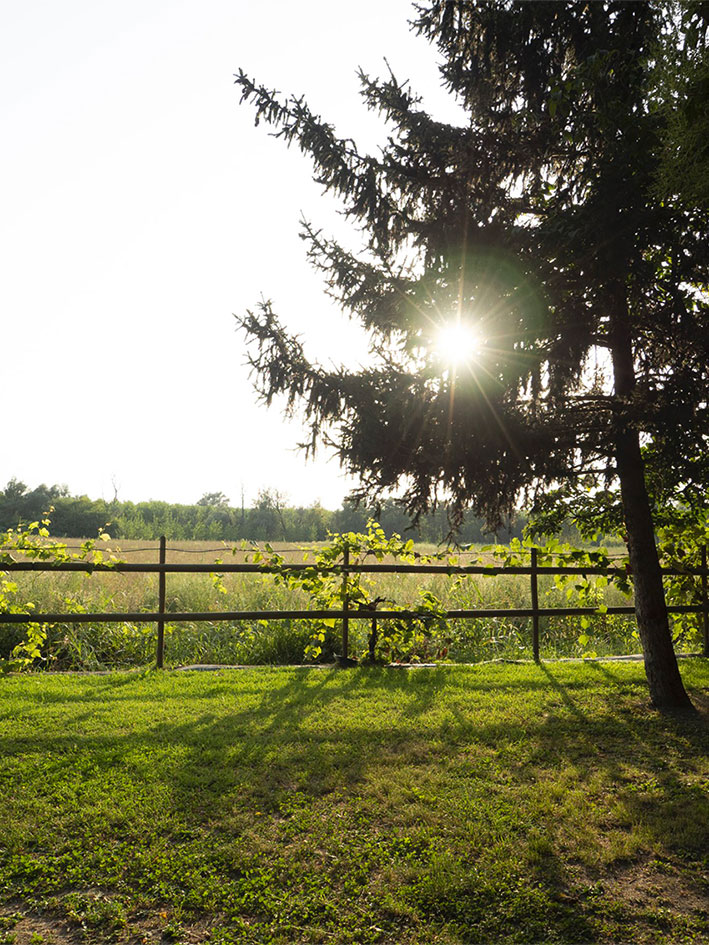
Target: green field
451	805
87	646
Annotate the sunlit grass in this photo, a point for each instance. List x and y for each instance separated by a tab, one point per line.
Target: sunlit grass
510	804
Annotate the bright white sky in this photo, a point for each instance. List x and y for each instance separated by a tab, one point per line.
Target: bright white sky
141	208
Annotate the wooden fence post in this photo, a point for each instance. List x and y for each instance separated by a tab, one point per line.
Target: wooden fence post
345	603
535	607
161	608
705	603
373	639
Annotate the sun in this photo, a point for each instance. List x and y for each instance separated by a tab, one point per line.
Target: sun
457	343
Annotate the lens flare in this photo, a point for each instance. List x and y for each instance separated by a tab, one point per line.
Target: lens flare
457	343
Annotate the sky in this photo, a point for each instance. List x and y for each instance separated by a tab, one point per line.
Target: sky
141	209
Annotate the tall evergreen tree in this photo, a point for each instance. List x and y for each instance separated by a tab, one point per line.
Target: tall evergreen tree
533	226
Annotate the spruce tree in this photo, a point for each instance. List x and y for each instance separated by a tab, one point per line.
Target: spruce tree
534	225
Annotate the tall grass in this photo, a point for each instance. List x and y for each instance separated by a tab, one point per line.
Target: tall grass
95	646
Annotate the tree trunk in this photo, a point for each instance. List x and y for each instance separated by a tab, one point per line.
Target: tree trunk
666	687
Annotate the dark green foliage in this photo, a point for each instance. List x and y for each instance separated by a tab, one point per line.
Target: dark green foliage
532	222
684	165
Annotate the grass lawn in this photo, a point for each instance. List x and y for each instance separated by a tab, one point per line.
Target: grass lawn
492	803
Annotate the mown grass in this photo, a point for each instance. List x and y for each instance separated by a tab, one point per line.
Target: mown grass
511	804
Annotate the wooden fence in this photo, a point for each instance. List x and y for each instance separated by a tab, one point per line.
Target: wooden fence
347	613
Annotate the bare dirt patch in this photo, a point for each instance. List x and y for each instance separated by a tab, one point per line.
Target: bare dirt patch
19	928
652	885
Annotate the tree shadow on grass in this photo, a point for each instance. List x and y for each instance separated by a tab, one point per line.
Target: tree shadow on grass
673	805
295	748
325	728
654	770
314	738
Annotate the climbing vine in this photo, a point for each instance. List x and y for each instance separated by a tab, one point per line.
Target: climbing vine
33	542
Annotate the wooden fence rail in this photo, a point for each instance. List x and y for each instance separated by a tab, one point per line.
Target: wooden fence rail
348	612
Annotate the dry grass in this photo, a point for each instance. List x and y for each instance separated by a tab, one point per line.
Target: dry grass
199	552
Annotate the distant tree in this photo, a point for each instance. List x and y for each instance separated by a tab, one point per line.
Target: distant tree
15	489
532	226
214	499
19	503
352	517
266	520
319	522
79	516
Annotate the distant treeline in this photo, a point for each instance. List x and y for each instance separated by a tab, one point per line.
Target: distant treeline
212	518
